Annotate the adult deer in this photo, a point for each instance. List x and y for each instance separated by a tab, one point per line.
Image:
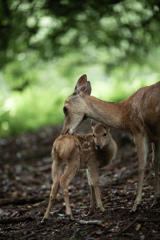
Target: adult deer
85	151
138	115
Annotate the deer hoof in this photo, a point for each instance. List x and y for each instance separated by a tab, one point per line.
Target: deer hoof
156	202
70	216
136	207
102	210
44	220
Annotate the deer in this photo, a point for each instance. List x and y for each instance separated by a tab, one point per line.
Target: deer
139	115
80	151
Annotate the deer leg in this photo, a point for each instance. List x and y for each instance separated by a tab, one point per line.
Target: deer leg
56	173
142	151
67	176
94	179
156	160
92	195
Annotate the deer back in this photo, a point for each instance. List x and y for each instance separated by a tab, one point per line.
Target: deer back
64	147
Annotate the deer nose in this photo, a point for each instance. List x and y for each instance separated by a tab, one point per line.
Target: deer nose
98	146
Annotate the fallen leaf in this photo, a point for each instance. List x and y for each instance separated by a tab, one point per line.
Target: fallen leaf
99	232
144	228
15	193
125	201
107	204
105	224
138	227
131	180
83	206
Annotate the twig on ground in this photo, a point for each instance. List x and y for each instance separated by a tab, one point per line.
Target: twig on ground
22	200
91	222
116	187
15	220
126	228
38	169
35	199
140	220
83	232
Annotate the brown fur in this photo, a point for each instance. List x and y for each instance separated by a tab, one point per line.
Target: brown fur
72	152
138	115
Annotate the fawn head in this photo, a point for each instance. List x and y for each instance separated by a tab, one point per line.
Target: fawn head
74	107
101	134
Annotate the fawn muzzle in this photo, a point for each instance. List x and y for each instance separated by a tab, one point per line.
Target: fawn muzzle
98	146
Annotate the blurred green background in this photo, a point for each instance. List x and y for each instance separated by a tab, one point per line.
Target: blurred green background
46	45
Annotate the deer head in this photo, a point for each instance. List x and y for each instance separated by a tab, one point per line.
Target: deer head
100	134
74	106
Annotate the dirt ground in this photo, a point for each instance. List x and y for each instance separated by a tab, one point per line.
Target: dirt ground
25	181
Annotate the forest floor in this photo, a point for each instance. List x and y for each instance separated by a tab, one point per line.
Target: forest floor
25	182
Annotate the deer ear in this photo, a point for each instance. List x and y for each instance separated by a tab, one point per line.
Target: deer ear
93	123
88	90
82	81
82	86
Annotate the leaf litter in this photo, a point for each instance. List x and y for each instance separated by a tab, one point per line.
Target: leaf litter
25	182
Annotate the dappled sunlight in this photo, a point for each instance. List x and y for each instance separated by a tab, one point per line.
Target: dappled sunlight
9	105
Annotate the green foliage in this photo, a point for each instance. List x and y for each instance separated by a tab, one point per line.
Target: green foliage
52	28
28	111
40	103
46	45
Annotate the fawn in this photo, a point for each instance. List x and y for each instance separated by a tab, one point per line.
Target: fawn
138	115
85	151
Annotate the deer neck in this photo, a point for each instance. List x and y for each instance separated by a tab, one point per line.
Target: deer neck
108	113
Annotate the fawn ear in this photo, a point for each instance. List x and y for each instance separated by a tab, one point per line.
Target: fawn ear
93	123
107	129
83	86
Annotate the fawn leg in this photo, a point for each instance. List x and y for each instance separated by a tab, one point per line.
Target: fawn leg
94	179
67	176
156	160
56	173
92	195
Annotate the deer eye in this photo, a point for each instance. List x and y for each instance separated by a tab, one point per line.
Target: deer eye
93	135
104	134
65	109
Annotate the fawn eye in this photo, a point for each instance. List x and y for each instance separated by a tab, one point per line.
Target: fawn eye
65	109
104	134
93	135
